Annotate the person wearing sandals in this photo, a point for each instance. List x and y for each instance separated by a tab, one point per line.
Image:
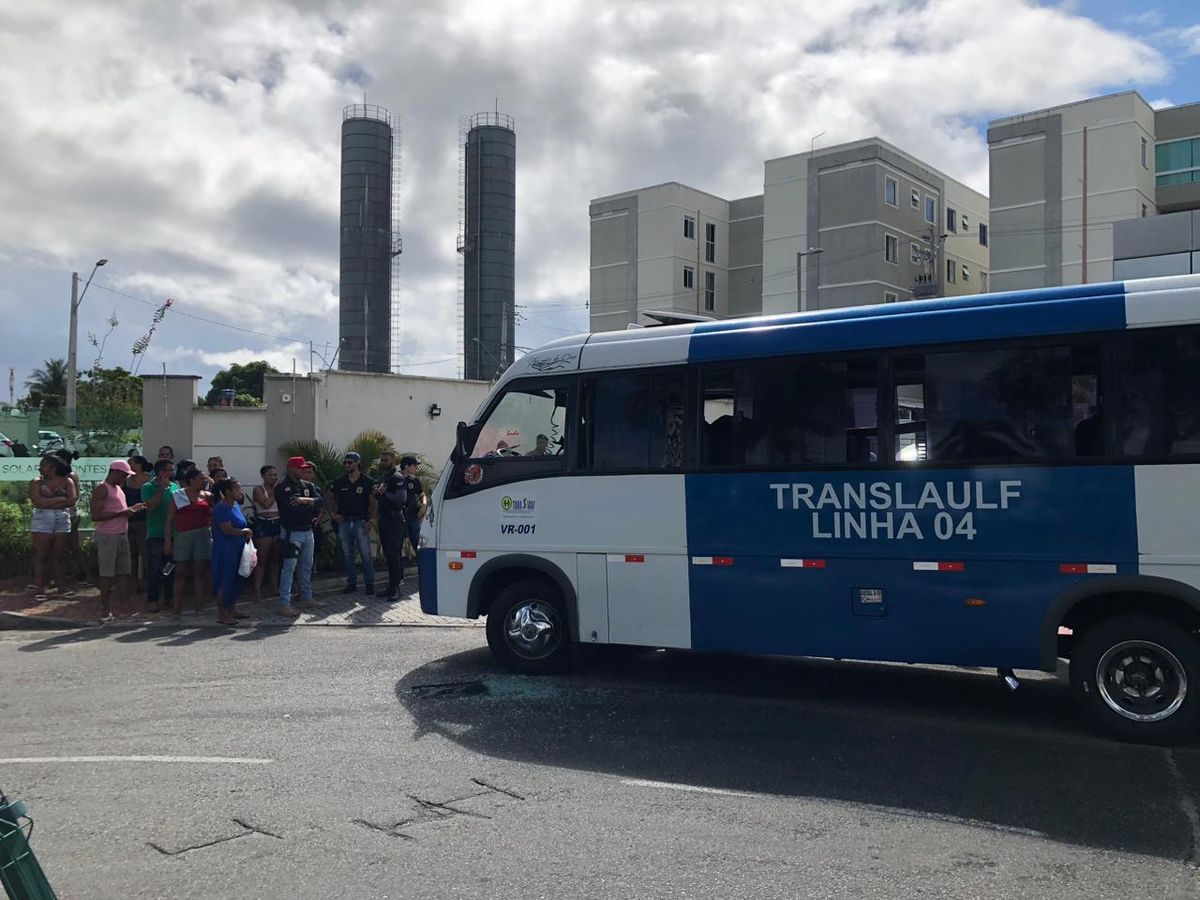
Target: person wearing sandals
230	535
188	537
73	547
51	494
266	532
137	524
111	515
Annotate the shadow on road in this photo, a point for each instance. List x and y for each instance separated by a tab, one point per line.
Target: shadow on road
917	740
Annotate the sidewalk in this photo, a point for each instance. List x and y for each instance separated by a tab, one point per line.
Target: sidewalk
18	609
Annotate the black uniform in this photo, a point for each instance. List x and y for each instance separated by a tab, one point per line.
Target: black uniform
391	527
352	499
412	511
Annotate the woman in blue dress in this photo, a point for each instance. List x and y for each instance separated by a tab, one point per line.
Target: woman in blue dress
230	536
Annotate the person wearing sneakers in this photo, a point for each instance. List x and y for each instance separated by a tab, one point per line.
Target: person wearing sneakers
298	501
111	514
351	504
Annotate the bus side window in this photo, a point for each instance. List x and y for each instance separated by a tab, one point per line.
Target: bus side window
911	441
635	422
1160	393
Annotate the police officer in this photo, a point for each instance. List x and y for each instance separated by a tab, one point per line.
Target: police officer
351	505
392	498
415	503
298	501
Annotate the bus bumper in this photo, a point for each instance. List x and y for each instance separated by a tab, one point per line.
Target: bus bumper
427	579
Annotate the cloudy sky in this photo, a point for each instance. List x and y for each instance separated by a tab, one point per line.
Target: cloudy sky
196	143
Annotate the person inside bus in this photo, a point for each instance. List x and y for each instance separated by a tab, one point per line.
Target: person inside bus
542	447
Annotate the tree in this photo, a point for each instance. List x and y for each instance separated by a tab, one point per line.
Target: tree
48	385
242	379
110	411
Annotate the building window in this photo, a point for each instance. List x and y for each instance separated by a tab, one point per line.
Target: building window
966	272
710	291
966	225
983	235
951	271
891	249
983	282
890	297
1177	162
710	241
952	220
1145	164
689	228
915	197
689	277
914	253
891	191
930	210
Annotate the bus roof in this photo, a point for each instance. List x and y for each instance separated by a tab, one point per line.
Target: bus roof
1073	309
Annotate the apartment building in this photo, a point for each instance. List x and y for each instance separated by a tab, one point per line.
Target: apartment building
1062	178
848	225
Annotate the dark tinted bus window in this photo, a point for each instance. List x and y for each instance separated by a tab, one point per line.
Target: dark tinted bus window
1019	403
791	413
635	421
1159	378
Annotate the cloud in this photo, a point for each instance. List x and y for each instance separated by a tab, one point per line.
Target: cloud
197	145
1190	39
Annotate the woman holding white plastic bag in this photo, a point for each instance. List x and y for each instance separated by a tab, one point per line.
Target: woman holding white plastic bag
231	536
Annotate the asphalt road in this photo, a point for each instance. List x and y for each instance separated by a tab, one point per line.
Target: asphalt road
397	762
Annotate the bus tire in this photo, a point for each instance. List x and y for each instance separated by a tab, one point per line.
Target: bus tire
527	628
1138	678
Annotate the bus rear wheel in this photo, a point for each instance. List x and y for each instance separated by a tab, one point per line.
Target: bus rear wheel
527	628
1138	678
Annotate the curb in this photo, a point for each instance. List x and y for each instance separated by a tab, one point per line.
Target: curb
15	621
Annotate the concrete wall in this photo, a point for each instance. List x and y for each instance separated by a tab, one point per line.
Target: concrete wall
1160	245
962	245
236	434
745	256
614	285
1170	124
291	410
397	405
785	230
1036	189
167	406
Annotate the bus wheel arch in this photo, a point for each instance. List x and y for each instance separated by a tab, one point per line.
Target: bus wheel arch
497	574
1086	604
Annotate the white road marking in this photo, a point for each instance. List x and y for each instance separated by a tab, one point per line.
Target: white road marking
200	760
871	807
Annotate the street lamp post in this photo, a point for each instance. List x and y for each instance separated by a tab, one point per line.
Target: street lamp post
73	337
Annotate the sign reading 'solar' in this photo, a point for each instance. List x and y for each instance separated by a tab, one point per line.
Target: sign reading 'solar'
26	468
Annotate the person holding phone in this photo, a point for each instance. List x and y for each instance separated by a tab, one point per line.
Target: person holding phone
157	495
111	514
299	503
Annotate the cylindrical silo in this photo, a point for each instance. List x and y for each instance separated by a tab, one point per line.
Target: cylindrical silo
365	295
489	245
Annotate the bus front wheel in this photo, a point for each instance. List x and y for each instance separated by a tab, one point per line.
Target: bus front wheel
1138	677
527	628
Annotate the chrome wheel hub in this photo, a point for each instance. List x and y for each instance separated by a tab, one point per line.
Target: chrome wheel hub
1141	681
532	629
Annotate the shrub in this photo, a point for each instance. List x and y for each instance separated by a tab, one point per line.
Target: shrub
16	543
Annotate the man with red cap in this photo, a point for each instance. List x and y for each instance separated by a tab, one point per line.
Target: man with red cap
111	514
299	502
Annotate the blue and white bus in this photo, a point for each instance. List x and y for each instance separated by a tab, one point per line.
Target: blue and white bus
998	480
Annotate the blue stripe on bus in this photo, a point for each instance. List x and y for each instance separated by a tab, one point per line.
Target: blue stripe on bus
916	326
1041	295
1011	550
427	579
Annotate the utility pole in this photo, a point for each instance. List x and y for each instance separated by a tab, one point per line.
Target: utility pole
73	337
72	346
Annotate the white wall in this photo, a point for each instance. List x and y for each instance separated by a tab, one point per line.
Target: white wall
1118	185
785	230
663	251
398	405
963	245
237	435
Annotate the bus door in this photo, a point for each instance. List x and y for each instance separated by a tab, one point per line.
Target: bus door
633	454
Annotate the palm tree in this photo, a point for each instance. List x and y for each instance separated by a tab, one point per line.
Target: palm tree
48	385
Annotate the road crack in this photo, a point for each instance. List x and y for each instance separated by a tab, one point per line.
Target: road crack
498	790
246	832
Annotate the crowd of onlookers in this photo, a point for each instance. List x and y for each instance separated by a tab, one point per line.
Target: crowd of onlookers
175	531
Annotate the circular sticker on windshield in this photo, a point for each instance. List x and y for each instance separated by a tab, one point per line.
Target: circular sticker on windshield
474	474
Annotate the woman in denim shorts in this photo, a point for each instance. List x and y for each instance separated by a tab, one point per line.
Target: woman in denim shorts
266	532
52	494
188	537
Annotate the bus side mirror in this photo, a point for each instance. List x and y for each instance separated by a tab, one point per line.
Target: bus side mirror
464	441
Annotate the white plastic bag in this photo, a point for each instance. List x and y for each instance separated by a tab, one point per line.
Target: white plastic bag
249	560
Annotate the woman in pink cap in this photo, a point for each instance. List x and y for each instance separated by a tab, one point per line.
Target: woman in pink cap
111	514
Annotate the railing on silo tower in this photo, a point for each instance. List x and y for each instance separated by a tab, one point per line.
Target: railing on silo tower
368	111
494	119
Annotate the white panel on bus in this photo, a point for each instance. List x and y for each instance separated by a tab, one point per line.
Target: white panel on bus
591	586
1166	520
648	600
1162	307
655	351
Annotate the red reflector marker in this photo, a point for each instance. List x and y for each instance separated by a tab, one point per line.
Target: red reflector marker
722	560
634	557
467	554
1087	569
938	567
